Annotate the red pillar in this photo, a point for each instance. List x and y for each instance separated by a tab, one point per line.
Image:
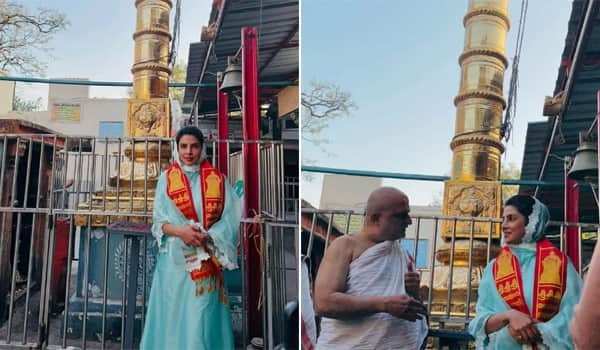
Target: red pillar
572	215
223	129
251	190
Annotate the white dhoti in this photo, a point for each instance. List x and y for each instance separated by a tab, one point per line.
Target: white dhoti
309	326
379	271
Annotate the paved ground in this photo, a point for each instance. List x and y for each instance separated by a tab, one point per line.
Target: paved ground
55	327
55	340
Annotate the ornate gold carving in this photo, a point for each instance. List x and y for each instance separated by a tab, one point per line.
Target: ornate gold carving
149	117
461	253
168	2
480	94
155	67
468	199
483	52
152	31
479	140
486	12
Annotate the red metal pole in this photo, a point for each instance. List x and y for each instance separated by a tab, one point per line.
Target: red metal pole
223	129
251	190
572	215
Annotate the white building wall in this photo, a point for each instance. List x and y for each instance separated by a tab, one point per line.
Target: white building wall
67	92
7	94
345	192
92	112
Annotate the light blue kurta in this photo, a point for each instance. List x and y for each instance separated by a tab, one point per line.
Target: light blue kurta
177	318
555	332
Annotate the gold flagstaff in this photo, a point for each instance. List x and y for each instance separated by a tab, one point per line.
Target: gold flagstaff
474	189
148	115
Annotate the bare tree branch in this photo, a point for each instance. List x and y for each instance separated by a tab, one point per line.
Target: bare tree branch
24	36
321	104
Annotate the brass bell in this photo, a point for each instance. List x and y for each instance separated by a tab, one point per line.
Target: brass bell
585	163
232	77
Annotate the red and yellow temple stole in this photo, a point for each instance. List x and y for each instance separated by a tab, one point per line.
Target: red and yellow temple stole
213	193
209	276
509	283
549	280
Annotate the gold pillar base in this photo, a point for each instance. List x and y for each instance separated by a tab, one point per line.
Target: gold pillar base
461	253
458	294
460	277
136	182
149	160
138	204
145	175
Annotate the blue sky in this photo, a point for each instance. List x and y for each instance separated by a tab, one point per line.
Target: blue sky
399	60
98	44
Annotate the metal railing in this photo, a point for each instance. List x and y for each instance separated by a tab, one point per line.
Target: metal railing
279	191
63	274
280	278
320	227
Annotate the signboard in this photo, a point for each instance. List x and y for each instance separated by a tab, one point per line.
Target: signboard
69	112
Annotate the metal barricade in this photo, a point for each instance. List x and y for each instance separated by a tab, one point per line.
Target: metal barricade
64	276
321	226
279	190
24	217
280	278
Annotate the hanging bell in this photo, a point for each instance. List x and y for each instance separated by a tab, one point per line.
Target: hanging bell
585	163
232	77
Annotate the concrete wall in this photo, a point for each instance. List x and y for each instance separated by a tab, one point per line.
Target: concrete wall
92	112
67	92
7	94
347	192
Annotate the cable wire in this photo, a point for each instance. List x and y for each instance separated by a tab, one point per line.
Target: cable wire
511	107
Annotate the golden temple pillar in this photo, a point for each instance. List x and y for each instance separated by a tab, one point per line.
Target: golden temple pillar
474	189
148	112
148	118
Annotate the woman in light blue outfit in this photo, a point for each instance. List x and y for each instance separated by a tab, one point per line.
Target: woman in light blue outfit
499	326
186	312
